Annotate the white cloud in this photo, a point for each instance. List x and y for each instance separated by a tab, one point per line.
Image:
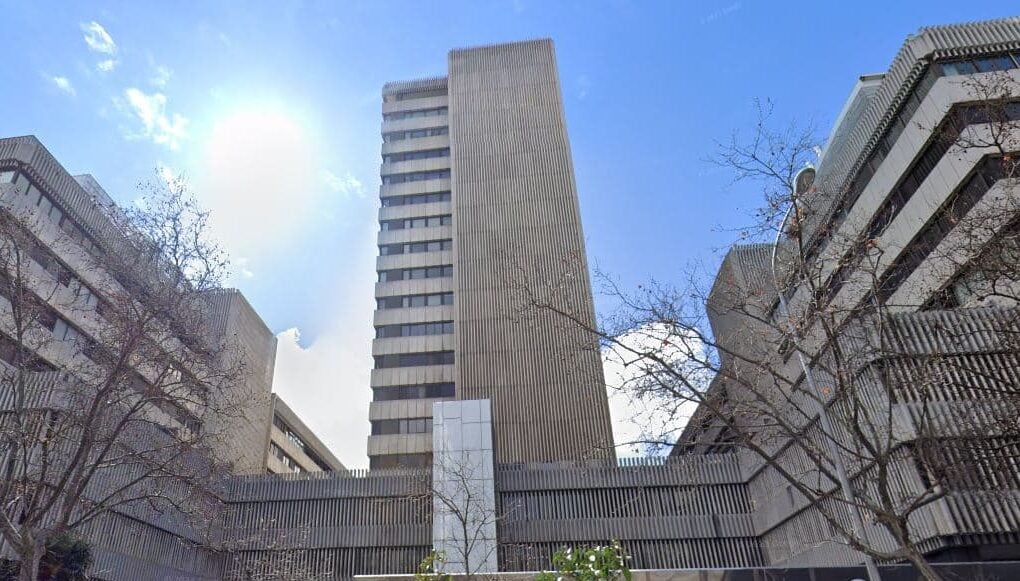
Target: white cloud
347	185
637	419
327	384
63	84
241	263
161	76
99	41
159	126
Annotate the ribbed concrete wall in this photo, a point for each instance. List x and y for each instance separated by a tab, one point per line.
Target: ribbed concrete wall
517	225
677	513
910	64
328	525
247	343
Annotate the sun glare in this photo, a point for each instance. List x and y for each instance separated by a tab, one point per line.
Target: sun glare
259	176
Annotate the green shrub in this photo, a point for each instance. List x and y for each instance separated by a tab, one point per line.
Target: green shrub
600	563
431	568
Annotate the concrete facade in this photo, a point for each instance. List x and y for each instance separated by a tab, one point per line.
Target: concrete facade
489	140
519	243
74	225
293	447
710	508
416	313
891	242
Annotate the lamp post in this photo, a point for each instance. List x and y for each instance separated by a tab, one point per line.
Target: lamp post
823	414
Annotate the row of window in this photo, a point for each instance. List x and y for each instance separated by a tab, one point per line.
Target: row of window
944	136
977	280
47	318
283	427
416	176
415	199
400	461
64	331
61	329
896	127
41	255
1002	62
941	223
423	391
282	456
413	359
15	355
402	426
51	211
408	301
65	277
444	271
413	155
415	134
416	247
433	112
300	443
414	330
426	222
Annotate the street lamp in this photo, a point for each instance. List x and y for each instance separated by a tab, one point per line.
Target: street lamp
802	182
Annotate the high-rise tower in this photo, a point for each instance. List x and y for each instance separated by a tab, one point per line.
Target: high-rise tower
480	217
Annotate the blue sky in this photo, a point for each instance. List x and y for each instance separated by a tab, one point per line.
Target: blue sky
271	111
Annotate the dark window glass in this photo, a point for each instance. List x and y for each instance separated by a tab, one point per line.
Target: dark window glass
428	390
941	223
413	359
996	63
400	461
428	221
436	111
390	302
434	299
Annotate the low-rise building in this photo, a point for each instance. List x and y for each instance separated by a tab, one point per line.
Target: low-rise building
293	447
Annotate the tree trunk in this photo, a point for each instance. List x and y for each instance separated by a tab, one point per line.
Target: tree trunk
31	553
911	554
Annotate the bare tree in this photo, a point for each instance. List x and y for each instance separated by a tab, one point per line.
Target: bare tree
466	512
272	553
806	362
114	375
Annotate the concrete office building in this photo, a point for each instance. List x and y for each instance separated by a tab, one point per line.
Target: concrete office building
710	506
479	209
72	228
908	239
293	447
715	508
